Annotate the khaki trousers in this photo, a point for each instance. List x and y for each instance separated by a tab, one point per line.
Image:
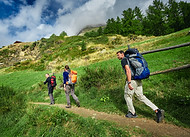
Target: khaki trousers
138	90
70	89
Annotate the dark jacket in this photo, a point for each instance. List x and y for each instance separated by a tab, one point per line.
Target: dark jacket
65	77
50	88
48	80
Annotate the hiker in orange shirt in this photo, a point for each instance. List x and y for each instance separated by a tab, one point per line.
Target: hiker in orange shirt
69	87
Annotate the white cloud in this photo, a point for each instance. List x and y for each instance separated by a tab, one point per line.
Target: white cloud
91	13
28	17
4	36
32	19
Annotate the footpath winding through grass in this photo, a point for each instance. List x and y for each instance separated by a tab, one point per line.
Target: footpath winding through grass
161	129
18	118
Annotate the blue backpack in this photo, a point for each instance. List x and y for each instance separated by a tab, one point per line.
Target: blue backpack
137	64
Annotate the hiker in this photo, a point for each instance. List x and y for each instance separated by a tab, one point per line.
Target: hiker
69	87
50	88
135	86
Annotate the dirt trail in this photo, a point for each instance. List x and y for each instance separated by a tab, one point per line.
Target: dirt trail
157	129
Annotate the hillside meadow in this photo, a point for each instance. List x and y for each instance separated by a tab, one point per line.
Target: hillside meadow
100	87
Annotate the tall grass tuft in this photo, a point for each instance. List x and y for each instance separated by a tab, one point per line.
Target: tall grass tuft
12	108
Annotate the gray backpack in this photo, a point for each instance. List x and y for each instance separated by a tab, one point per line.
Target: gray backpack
137	64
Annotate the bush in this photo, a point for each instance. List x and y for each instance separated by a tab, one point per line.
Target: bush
26	62
33	45
25	47
37	66
63	34
117	41
99	77
4	52
91	34
101	40
83	46
132	37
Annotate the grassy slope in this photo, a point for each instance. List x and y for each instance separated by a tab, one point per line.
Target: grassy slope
169	91
19	119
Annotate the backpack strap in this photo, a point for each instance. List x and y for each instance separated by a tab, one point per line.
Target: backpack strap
131	67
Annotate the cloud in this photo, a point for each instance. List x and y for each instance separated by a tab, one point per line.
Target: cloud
31	22
91	13
42	18
4	33
24	25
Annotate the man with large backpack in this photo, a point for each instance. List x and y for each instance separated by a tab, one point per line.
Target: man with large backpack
134	83
69	81
51	85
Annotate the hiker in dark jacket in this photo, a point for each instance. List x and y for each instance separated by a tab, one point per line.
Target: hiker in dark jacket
50	88
135	86
69	89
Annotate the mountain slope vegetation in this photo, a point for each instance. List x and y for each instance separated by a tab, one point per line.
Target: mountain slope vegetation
100	86
77	51
101	80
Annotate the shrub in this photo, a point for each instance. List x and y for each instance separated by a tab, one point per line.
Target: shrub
99	77
132	37
116	41
4	52
63	34
91	34
100	31
33	46
26	62
25	47
83	46
37	66
43	40
101	40
16	64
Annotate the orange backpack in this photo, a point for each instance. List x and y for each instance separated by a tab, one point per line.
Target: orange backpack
72	78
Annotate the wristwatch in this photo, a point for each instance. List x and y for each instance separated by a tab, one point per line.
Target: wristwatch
128	82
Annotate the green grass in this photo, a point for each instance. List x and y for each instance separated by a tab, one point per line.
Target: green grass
108	91
21	119
101	87
168	59
162	41
171	92
23	80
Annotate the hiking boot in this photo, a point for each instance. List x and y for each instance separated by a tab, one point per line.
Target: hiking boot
51	104
130	115
78	103
159	115
68	106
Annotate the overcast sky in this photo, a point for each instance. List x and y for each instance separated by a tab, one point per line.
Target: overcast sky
30	20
